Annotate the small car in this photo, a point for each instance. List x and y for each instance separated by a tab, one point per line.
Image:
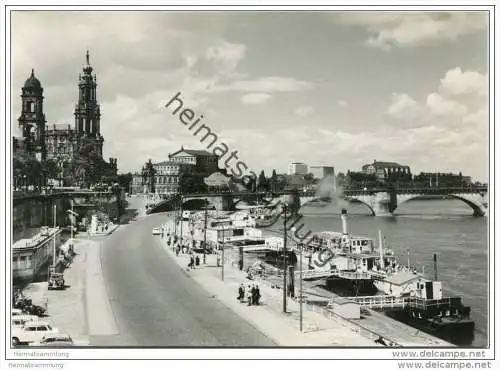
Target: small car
156	231
54	340
32	331
19	321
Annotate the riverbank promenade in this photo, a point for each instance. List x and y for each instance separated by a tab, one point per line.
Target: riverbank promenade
283	328
82	308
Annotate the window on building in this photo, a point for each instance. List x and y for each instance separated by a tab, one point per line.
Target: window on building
22	262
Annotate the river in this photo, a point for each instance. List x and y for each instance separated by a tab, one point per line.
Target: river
424	227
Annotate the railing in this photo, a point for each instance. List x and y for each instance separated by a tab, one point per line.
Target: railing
381	301
388	301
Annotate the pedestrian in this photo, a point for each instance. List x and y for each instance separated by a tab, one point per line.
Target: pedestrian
249	295
197	260
241	293
254	294
177	250
191	262
257	295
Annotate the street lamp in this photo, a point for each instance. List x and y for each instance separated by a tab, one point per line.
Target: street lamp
223	236
285	264
301	296
72	214
205	233
54	249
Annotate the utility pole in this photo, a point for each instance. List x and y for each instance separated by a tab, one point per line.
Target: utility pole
285	264
205	233
301	246
54	250
72	215
182	219
223	235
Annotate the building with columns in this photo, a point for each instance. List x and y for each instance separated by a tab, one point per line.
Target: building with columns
385	171
184	171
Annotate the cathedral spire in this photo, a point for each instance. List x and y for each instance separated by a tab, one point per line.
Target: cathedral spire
87	57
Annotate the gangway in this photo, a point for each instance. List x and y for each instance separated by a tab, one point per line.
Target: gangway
415	303
349	275
378	301
315	274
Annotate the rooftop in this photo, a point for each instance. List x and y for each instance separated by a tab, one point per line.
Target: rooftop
45	232
193	152
403	277
171	163
385	164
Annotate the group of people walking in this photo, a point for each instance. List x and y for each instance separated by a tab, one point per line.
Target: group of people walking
252	294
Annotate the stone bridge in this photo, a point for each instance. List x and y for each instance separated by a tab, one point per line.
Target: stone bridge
383	202
225	201
35	210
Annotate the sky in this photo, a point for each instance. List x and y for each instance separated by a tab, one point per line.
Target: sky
323	88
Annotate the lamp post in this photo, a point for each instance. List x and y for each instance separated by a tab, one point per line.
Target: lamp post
223	235
54	249
72	215
285	264
301	291
182	218
205	233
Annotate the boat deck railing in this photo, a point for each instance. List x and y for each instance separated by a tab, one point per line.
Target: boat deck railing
349	275
389	301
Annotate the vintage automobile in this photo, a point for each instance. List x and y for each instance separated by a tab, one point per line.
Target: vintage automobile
32	331
54	340
56	279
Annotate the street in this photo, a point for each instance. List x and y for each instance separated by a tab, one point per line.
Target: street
155	303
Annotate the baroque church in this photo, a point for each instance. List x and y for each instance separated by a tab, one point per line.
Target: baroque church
55	142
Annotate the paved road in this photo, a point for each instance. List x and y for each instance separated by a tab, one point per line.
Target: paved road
155	303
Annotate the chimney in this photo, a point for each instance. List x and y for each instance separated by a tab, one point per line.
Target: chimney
343	216
435	267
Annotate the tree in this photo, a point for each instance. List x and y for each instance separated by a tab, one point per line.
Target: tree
309	177
52	169
124	180
27	170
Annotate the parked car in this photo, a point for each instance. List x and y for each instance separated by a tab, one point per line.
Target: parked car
156	231
19	321
33	331
54	340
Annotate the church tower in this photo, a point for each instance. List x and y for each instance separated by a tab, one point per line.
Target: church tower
87	110
32	119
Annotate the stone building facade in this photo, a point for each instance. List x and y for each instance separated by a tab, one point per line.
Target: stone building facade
60	143
184	169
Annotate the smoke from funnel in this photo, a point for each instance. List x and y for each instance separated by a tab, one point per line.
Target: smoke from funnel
343	216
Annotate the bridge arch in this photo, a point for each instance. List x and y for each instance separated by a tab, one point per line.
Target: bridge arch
361	201
473	201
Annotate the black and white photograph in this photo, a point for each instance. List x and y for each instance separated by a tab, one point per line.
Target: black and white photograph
249	182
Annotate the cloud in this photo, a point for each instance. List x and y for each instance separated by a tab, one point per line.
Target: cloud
342	103
456	82
255	98
304	110
267	84
389	29
440	106
402	105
